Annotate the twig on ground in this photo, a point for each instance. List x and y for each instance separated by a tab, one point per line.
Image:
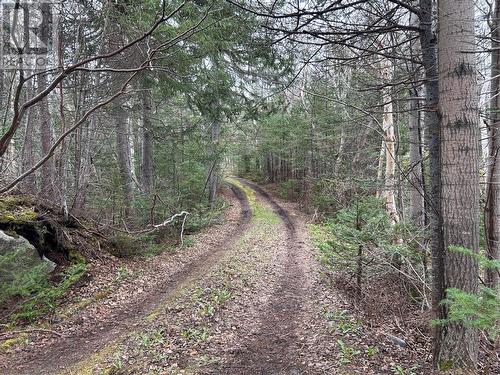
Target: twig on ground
30	330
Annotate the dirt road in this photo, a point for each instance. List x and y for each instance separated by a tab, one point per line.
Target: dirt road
246	298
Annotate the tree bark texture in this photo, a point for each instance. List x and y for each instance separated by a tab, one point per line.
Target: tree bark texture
492	221
28	152
458	108
415	177
432	125
48	188
147	171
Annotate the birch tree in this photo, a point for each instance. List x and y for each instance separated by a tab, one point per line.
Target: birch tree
389	143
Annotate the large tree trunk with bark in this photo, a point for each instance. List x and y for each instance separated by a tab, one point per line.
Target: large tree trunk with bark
417	189
492	222
458	107
432	124
415	177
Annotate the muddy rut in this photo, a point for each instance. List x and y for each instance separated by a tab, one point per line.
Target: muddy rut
69	350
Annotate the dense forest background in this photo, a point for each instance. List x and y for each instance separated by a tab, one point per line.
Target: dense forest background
379	117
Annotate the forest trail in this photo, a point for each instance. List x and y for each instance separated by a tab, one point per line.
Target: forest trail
273	349
262	313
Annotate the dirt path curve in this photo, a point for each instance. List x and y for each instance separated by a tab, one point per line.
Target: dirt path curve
69	349
276	345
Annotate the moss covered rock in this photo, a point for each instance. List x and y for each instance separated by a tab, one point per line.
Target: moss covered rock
16	210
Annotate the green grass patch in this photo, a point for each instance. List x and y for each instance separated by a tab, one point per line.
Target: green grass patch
200	334
9	343
265	215
209	300
249	193
260	213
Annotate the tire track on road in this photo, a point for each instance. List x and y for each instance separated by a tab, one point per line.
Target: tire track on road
274	350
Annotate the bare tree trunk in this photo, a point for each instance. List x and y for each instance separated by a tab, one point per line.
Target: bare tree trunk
83	150
28	152
213	178
343	92
48	190
432	124
390	149
79	166
312	130
62	159
340	152
134	145
415	178
458	107
380	169
123	154
417	202
147	174
270	172
492	208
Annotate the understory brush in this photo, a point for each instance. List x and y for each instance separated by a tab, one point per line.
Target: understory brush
329	196
290	189
360	245
44	296
379	269
29	286
125	245
23	283
202	215
383	267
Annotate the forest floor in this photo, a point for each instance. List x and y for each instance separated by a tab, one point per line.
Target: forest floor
248	297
